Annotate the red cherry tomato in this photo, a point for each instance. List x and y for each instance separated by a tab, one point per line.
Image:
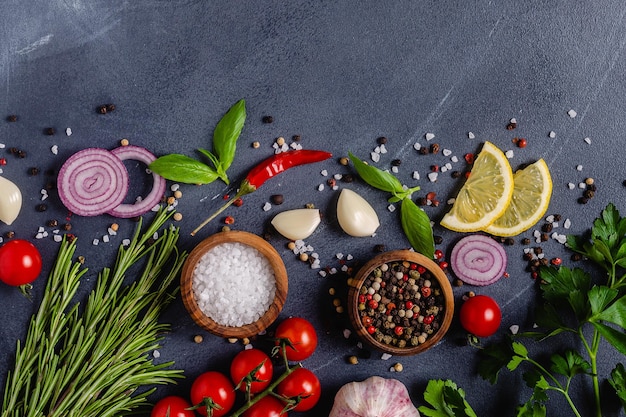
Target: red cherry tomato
20	262
245	362
301	335
172	406
303	383
216	387
480	315
266	407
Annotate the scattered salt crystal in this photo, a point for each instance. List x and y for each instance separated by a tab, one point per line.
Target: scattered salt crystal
454	159
156	354
552	134
383	148
324	173
58	238
541	255
332	271
571	185
349	257
509	154
416	175
335	187
322	273
54	149
174	187
451	201
514	329
391	208
337	176
432	176
375	156
344	268
320	187
155	235
513	120
430	136
39	236
444	168
582	185
339	255
68	131
448	165
587	141
315	255
95	242
126	242
105	238
572	113
550	218
446	152
417	146
315	264
470	135
248	346
155	208
385	356
2	145
346	333
579	167
394	169
377	149
267	206
567	223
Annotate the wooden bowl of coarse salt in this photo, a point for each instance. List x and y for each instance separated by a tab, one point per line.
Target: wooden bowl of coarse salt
234	284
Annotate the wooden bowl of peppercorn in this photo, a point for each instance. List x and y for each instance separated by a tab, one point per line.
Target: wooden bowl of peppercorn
401	303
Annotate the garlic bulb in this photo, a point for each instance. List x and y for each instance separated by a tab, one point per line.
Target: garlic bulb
10	201
297	224
355	215
374	397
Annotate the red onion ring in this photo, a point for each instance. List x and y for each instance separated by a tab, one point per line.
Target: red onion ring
158	187
478	260
92	182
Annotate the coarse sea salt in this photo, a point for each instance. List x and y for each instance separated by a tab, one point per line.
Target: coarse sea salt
234	284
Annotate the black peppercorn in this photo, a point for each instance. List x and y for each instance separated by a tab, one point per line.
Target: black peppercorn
347	178
588	194
434	148
526	241
102	109
511	126
41	207
379	248
296	138
49	131
382	140
396	162
12	118
268	119
52	223
583	200
9	234
21	154
277	199
438	239
547	227
33	171
456	174
67	226
110	107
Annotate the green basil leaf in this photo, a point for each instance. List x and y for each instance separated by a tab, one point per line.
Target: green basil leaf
181	168
375	177
227	132
216	163
416	226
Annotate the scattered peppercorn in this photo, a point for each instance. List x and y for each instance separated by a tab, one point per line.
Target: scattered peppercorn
347	178
67	227
21	154
382	140
10	234
33	171
268	119
396	163
41	207
52	223
434	148
12	118
438	239
296	138
49	131
198	338
277	199
353	360
379	248
256	144
511	125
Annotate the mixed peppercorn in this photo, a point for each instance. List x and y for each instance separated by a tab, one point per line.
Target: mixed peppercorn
401	304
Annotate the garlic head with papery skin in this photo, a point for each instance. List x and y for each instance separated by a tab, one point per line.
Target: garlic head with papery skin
10	201
374	397
355	215
297	224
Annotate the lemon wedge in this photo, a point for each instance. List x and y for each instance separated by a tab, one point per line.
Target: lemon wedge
531	196
485	195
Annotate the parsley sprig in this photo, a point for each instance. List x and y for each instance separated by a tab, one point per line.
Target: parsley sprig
573	302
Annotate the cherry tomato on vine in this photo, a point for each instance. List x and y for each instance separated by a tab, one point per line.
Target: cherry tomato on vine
247	361
172	406
266	407
20	262
480	315
213	387
303	383
301	335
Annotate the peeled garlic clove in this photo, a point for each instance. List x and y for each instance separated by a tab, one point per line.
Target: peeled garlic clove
297	224
355	215
10	201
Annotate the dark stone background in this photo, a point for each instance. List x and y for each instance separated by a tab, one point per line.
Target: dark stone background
340	74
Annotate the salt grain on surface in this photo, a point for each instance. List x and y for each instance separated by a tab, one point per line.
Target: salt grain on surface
234	284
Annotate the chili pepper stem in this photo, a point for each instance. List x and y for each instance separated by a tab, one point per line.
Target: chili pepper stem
245	188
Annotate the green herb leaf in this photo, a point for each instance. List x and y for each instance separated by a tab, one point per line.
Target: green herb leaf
563	285
569	364
532	408
618	382
615	313
495	357
535	380
227	132
375	177
181	168
600	297
416	226
221	173
613	336
446	399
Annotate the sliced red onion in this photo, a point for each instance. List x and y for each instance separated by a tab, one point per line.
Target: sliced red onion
92	182
158	187
478	260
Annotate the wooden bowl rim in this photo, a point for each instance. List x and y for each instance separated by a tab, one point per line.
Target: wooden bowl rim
280	274
400	255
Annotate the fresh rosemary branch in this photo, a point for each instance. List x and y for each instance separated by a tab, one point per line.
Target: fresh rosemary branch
93	360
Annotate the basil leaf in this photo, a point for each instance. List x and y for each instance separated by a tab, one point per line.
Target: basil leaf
375	177
227	132
181	168
216	163
416	226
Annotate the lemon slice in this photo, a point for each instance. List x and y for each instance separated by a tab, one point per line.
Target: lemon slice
531	197
485	195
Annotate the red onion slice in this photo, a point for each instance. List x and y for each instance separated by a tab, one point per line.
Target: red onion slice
478	260
158	187
92	182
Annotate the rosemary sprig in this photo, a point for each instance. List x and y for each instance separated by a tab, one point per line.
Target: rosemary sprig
91	361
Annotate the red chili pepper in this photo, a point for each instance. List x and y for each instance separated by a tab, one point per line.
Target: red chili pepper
267	169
